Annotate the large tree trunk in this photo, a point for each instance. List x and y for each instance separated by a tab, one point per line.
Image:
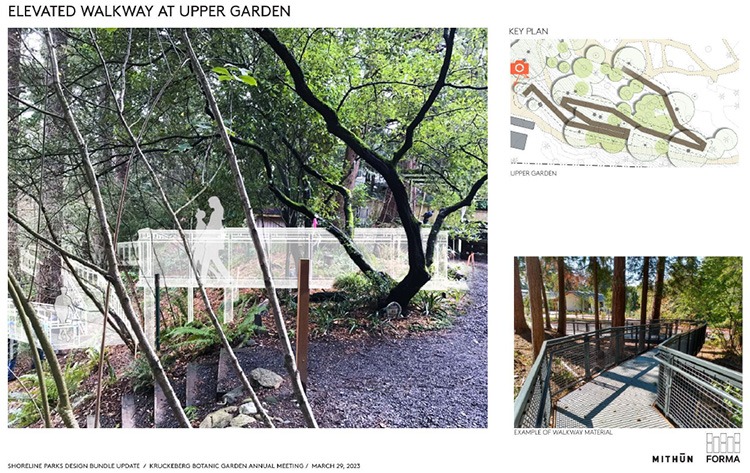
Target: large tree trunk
547	320
160	375
519	320
49	273
644	290
618	293
351	161
534	282
658	288
644	303
417	275
595	261
561	309
14	65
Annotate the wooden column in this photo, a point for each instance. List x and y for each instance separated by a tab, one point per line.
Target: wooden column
303	322
190	307
230	295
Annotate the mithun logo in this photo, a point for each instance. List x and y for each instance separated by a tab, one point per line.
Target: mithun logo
722	448
681	458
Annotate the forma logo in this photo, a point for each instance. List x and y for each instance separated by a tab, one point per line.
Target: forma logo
722	448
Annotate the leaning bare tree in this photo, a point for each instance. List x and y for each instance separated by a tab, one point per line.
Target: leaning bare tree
289	360
111	273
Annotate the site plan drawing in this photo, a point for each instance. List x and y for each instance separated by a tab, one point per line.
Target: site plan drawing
625	103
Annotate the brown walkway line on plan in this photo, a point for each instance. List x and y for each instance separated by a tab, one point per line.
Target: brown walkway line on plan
615	131
701	144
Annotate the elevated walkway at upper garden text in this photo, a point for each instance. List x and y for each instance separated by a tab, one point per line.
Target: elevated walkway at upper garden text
639	376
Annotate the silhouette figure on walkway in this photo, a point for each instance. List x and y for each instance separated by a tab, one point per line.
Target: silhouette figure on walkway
212	243
64	307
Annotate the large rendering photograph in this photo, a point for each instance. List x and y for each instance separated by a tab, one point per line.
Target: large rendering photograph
249	228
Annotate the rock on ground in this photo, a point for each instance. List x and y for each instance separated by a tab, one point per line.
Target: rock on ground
248	408
266	378
242	420
219	419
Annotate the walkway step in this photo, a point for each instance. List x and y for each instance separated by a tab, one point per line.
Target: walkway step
128	411
200	384
227	378
163	416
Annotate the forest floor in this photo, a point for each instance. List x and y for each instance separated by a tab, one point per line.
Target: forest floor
400	377
420	379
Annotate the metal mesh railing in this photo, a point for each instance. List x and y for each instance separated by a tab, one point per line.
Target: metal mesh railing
695	393
566	361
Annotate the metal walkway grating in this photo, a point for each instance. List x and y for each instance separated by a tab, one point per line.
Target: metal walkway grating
622	397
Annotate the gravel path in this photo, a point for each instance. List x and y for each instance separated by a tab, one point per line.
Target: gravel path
430	379
423	380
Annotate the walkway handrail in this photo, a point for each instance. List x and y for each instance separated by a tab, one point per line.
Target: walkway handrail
694	392
566	361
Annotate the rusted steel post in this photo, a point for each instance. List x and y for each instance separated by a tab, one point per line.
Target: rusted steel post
303	318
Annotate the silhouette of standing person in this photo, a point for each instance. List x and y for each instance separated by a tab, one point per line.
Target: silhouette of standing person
216	245
198	245
64	305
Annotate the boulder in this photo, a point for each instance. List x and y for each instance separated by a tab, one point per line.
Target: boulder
242	420
232	396
266	378
219	419
248	408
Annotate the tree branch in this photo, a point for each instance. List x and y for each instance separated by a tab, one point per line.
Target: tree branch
449	36
445	212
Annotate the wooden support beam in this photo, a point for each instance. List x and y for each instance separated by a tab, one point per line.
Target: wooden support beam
303	318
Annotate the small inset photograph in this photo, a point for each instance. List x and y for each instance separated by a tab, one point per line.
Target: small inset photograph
627	342
625	103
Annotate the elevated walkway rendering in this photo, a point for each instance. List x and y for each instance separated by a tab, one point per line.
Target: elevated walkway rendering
226	260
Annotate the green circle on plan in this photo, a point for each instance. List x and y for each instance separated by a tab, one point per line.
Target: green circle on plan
615	75
562	47
661	147
582	88
626	93
582	67
614	120
563	67
552	62
605	68
625	109
636	85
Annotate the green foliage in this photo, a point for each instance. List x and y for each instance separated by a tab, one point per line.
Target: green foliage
73	374
230	72
708	289
139	374
430	303
326	314
192	413
201	336
362	291
440	307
